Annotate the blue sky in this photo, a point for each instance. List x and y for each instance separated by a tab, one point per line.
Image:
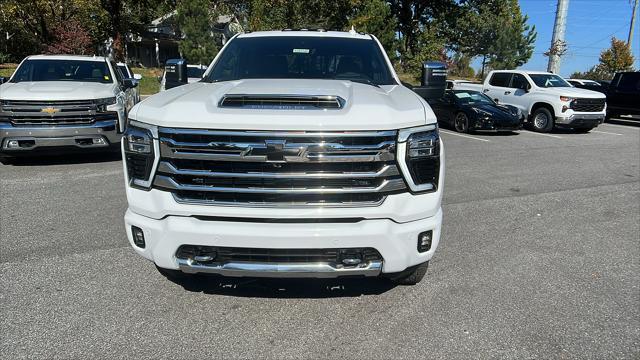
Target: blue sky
590	26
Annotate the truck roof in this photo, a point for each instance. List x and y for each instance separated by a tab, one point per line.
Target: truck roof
314	33
67	57
522	71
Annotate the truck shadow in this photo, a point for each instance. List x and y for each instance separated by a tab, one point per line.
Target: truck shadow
285	288
44	159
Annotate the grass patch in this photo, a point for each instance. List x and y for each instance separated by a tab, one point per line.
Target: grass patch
6	70
149	84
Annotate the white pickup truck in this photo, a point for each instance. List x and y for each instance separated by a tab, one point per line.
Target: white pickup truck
63	102
299	154
546	100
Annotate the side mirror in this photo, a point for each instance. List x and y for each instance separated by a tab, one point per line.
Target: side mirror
137	76
3	79
129	83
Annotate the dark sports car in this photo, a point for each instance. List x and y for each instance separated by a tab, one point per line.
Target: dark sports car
467	110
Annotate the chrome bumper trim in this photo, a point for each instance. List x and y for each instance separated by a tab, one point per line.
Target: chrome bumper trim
54	136
292	270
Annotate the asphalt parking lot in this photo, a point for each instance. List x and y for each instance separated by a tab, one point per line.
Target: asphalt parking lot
539	258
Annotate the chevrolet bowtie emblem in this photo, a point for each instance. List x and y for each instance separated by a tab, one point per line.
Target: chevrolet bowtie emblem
50	110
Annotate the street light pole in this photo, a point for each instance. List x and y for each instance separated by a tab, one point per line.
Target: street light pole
557	41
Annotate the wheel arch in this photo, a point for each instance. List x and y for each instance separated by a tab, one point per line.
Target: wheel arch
540	104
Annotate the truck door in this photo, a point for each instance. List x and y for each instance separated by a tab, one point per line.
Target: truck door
498	86
519	96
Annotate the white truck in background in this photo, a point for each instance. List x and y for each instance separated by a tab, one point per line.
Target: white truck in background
545	99
63	102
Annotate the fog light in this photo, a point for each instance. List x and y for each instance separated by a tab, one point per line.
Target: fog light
424	241
565	108
138	236
13	144
98	141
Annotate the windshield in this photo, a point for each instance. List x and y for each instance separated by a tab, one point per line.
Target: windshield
549	80
472	98
302	57
194	72
63	70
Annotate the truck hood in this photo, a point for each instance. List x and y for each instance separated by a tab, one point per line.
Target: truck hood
366	107
574	92
55	90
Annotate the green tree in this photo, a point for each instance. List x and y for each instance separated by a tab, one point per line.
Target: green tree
374	17
194	17
497	31
617	58
460	66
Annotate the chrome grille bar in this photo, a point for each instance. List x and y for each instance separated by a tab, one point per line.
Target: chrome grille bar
245	168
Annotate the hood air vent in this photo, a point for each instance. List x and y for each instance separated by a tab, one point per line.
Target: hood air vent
282	102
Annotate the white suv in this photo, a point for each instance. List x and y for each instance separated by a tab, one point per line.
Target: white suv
300	154
63	101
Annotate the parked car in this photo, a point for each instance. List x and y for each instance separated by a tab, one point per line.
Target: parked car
623	95
587	84
300	154
468	110
452	83
194	74
63	101
545	99
128	74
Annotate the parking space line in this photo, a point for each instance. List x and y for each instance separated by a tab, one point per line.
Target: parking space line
541	134
464	136
630	126
604	132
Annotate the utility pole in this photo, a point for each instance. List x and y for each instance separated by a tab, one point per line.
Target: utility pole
558	44
633	21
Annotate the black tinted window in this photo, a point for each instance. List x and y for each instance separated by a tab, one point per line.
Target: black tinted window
302	57
500	79
63	70
630	82
193	72
124	71
519	81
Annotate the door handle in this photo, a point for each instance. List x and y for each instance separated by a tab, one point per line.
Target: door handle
507	92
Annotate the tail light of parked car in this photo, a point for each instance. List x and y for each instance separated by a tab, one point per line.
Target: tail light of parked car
419	157
139	153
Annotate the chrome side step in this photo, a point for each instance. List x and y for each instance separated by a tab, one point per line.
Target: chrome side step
280	270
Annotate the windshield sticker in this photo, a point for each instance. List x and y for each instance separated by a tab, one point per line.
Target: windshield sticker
462	95
106	77
300	51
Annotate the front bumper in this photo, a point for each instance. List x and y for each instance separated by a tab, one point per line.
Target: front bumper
100	134
396	242
578	120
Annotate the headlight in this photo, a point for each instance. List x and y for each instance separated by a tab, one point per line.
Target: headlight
139	153
566	98
102	104
419	157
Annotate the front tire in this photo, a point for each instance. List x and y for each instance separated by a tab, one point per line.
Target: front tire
410	276
542	120
461	123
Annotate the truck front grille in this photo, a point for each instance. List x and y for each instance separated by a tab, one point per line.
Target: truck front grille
51	113
278	168
588	105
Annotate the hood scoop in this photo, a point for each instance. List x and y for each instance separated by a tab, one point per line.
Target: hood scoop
282	102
